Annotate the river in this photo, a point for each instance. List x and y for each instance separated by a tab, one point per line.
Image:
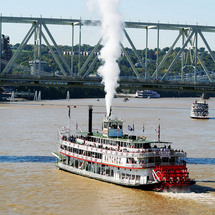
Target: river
31	184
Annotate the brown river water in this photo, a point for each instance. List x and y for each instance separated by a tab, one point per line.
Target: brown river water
31	184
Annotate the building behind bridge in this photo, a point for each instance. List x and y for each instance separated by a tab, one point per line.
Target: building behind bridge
6	52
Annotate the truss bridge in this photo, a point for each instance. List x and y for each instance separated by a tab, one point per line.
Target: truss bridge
183	70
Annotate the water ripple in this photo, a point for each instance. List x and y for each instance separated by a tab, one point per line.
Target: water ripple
52	159
209	161
24	159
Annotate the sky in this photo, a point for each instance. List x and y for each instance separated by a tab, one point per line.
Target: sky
165	11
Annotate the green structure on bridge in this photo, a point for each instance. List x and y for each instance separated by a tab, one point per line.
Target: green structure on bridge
160	78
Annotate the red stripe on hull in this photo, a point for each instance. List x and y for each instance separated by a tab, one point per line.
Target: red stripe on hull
122	167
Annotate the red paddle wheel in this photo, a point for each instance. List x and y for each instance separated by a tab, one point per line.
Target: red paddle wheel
172	176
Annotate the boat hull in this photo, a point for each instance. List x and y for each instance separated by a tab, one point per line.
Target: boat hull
199	117
147	186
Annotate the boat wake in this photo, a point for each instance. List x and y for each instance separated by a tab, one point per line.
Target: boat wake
204	198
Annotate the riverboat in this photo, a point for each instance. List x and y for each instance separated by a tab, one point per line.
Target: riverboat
128	160
147	94
199	110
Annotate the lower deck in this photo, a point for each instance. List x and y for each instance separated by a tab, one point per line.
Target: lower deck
125	177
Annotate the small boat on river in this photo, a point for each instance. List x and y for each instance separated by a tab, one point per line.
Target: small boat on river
127	160
199	110
147	94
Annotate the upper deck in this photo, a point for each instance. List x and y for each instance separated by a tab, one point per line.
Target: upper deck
112	146
199	105
141	151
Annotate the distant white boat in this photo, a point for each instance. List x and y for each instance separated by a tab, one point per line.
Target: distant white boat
199	110
147	94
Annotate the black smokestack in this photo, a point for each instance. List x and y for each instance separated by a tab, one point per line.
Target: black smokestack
110	112
90	120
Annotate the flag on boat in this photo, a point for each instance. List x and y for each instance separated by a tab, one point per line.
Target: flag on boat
130	128
69	111
159	132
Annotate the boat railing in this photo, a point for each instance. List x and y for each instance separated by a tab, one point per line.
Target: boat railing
87	145
84	157
126	165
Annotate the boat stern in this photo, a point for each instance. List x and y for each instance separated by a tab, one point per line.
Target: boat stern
172	176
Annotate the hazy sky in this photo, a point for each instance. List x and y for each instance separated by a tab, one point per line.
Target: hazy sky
164	11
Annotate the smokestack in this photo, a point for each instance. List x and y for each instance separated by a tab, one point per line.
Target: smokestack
90	120
110	112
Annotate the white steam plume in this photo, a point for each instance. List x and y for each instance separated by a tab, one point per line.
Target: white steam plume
112	31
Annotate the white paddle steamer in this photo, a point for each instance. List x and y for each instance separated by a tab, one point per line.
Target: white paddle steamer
199	110
118	158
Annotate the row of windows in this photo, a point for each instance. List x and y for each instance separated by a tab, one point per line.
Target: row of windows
162	160
82	152
119	143
112	125
112	159
118	160
99	169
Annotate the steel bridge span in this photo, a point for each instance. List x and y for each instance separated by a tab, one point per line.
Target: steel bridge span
124	83
187	38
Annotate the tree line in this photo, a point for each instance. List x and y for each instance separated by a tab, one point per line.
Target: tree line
125	69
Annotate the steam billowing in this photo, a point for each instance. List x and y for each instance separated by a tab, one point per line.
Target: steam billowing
112	24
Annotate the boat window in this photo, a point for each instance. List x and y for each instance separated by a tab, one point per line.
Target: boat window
123	175
172	160
105	124
128	175
146	146
151	160
138	145
165	160
138	177
157	160
131	160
